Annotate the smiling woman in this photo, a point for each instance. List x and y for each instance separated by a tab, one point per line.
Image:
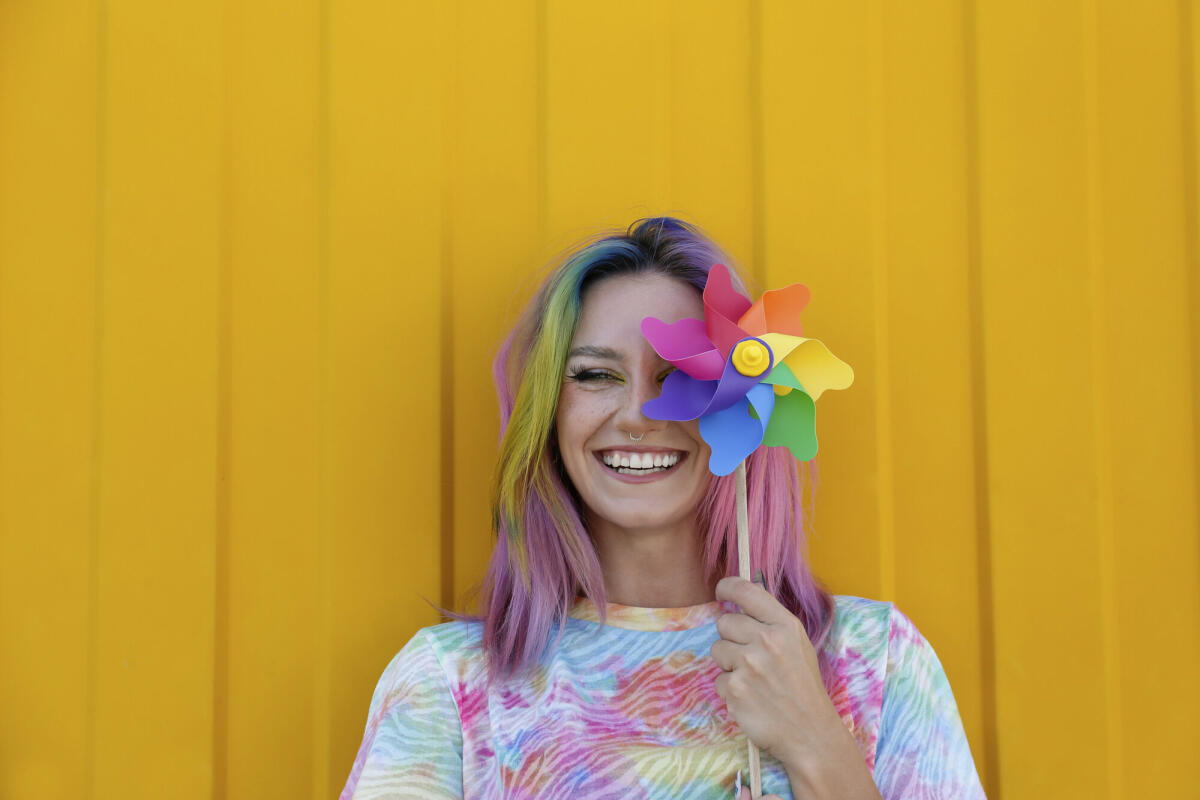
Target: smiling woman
613	656
640	480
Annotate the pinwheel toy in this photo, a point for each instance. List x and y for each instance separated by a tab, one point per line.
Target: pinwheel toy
749	376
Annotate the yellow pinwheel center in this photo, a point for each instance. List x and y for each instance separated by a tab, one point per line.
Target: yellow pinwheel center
751	358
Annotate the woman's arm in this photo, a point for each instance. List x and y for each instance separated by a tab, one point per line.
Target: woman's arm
922	750
412	746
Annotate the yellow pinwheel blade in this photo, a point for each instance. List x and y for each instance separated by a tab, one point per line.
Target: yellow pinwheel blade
816	368
781	344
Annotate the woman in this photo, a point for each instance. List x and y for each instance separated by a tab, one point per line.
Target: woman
610	658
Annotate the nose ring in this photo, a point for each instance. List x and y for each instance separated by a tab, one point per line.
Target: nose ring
633	438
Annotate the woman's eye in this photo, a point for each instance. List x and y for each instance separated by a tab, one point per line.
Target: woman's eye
663	377
592	375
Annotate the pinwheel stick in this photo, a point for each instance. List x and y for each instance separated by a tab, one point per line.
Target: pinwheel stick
743	533
750	357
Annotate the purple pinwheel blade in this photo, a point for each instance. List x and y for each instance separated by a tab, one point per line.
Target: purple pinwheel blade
732	434
734	385
683	398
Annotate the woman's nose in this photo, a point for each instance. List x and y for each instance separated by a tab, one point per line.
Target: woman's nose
641	391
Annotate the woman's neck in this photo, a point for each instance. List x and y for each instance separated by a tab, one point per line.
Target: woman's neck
651	567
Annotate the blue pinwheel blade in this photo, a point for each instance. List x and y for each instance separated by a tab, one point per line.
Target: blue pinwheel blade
732	434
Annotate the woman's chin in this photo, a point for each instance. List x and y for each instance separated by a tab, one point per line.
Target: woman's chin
632	518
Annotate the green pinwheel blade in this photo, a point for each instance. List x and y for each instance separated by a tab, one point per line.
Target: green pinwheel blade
793	425
781	375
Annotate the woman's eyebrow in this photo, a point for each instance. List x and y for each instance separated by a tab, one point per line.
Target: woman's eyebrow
595	352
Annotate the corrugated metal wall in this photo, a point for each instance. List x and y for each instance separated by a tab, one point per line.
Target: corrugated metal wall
255	256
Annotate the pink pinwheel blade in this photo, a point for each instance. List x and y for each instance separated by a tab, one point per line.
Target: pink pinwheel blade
685	345
723	306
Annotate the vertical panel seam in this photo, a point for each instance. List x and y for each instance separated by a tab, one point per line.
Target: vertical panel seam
321	670
879	270
1100	411
93	609
542	123
758	230
449	36
220	720
1192	212
667	18
978	377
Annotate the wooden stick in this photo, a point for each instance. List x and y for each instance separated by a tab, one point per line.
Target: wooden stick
743	534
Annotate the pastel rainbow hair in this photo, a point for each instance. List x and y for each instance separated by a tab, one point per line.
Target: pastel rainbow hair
543	557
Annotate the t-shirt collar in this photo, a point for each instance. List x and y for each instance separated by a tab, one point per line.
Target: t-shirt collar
639	618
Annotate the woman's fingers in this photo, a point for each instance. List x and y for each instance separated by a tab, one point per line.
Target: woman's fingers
727	654
753	600
722	686
738	628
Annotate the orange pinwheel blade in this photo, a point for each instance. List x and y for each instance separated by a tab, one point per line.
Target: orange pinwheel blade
777	311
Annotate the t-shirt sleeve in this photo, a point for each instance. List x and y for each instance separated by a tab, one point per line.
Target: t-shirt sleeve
922	751
412	747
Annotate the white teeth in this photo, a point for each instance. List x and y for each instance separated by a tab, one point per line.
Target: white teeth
639	463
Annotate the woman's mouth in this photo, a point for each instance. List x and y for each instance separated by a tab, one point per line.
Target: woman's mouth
629	462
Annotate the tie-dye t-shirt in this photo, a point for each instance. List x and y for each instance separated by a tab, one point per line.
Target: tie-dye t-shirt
628	710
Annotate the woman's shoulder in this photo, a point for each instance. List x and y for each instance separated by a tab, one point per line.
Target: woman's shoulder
850	604
453	637
448	644
860	621
876	631
435	654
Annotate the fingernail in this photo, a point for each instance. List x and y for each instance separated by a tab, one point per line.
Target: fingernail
760	580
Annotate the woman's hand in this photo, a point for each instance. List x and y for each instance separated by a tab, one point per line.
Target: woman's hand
772	687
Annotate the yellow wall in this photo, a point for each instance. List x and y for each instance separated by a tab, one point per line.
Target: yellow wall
254	257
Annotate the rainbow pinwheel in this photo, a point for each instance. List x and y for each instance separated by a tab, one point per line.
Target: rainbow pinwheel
745	371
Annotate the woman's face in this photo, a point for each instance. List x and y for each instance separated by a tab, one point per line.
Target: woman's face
611	371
